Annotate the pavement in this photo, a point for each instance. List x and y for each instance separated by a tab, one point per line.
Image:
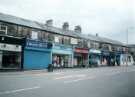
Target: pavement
86	82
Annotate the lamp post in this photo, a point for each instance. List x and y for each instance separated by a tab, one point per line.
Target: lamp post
127	42
127	47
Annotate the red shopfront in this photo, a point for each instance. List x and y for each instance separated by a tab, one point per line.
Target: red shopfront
81	57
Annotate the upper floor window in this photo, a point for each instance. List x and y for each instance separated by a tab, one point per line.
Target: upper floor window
66	40
105	46
40	37
85	43
3	29
74	41
50	37
12	30
96	45
34	35
24	31
93	44
57	39
44	36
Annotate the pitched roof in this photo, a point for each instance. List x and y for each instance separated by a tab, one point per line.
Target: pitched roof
34	24
19	21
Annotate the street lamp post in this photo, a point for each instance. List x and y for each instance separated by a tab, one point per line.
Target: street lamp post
127	42
127	48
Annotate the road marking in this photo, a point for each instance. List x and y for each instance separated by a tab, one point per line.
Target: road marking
80	79
45	73
19	90
63	77
93	77
113	73
58	73
70	76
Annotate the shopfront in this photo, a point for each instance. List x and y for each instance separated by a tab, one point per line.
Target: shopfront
123	58
81	57
112	58
62	56
37	54
105	58
94	57
11	51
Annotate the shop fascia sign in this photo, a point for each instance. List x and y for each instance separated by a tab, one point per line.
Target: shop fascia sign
10	47
37	44
61	46
95	51
81	50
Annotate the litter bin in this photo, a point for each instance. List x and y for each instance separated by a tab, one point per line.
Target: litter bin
50	68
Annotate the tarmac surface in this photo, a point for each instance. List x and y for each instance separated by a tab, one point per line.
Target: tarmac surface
88	82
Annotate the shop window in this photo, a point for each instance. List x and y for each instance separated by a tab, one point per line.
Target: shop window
11	59
129	58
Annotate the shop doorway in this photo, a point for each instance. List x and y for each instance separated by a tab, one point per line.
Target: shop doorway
61	61
80	60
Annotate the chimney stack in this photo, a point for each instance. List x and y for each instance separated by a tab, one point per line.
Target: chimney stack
97	34
49	23
65	26
78	29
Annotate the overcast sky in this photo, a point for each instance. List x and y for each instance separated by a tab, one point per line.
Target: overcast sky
108	18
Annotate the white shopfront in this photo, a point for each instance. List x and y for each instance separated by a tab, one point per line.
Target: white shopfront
10	56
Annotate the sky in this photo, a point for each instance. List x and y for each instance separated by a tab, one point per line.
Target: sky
109	18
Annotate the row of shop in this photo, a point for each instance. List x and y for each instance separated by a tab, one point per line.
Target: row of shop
21	53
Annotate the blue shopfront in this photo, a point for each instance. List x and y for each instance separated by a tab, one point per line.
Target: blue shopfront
62	56
37	54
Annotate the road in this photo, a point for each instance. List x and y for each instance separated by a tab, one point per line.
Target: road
92	82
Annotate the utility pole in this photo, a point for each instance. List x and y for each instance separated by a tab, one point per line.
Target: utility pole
127	48
127	42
